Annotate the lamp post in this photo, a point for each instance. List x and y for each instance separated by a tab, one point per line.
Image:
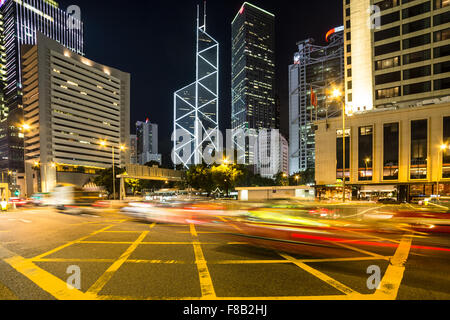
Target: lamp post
122	147
442	149
337	94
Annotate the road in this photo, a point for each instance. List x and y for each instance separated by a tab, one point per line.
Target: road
124	259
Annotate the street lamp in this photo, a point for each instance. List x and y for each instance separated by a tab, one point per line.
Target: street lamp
442	149
103	144
297	178
337	94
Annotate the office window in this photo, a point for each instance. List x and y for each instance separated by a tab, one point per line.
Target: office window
442	84
350	97
339	155
347	24
387	48
349	85
349	72
365	153
438	4
387	77
416	10
416	88
442	67
388	4
442	35
419	149
441	18
347	12
416	41
416	57
416	25
349	60
349	48
442	51
390	18
386	34
446	153
348	36
387	93
391	140
387	63
416	72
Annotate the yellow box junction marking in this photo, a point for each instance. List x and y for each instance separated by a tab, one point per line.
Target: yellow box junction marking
206	284
103	280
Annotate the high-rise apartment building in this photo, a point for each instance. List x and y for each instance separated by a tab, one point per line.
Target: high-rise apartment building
397	53
77	115
272	156
21	21
315	71
253	73
133	149
147	142
196	106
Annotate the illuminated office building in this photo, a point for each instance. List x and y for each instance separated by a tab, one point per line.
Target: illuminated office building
253	74
77	116
397	53
196	106
316	69
20	21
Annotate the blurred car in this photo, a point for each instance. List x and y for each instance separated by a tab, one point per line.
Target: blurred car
40	199
388	201
17	202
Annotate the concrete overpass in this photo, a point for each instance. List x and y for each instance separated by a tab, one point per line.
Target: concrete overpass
133	171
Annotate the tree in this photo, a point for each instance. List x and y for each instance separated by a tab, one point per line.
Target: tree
199	177
282	179
105	179
152	164
226	176
134	185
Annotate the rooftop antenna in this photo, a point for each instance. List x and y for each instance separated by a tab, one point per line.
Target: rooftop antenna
204	16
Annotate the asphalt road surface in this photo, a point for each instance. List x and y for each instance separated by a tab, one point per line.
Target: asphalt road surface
113	257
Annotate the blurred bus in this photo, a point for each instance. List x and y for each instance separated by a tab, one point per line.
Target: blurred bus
71	199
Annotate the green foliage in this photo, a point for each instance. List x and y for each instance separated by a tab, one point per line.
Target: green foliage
304	177
105	179
282	180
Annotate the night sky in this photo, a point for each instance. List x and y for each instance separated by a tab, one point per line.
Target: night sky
155	42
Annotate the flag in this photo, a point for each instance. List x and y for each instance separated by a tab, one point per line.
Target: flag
313	98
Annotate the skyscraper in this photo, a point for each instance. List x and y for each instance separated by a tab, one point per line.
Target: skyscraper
22	19
147	142
77	112
397	53
316	69
253	73
196	106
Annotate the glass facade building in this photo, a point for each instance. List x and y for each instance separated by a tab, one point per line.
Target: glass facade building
21	21
196	106
253	74
316	70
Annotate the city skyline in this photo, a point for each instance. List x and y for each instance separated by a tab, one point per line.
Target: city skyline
175	45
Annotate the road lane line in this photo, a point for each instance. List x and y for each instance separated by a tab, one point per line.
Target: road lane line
103	280
330	281
390	284
204	276
375	255
231	224
46	281
68	244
